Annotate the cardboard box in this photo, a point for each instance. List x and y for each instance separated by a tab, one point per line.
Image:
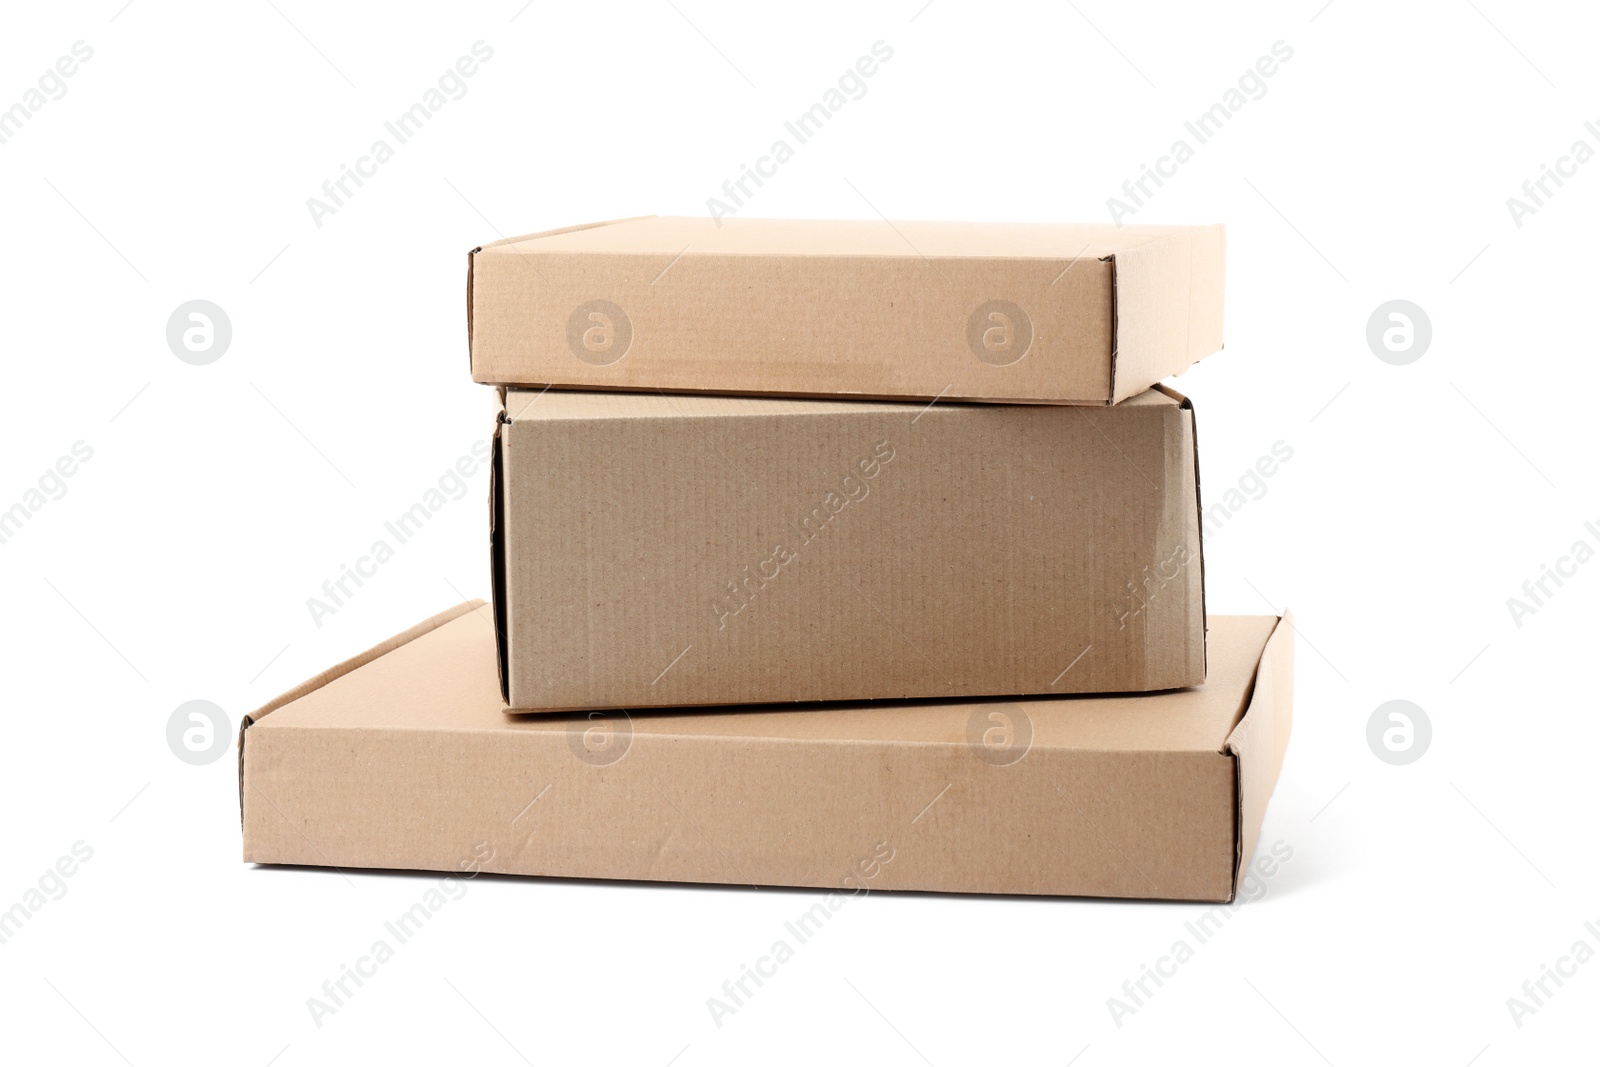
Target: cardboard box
404	758
663	551
1026	313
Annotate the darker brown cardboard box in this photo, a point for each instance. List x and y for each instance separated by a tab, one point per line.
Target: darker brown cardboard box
667	551
403	757
1019	312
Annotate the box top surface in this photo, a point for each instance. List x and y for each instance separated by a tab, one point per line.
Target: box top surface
523	405
673	236
442	676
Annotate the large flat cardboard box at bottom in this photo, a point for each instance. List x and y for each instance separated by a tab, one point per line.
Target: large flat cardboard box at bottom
659	551
404	757
1034	313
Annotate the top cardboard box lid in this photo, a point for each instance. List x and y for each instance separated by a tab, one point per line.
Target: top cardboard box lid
1000	312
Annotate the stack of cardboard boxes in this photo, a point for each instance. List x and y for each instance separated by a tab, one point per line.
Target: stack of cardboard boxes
861	511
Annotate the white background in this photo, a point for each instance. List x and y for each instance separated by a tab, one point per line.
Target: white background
218	498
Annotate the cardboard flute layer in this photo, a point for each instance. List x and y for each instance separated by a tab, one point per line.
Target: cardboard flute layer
668	551
1025	313
404	758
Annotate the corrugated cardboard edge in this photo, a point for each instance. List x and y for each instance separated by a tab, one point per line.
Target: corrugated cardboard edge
360	660
1187	406
497	549
1259	740
472	256
1139	362
805	394
1116	334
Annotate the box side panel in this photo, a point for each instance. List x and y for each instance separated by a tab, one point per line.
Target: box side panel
880	326
1170	594
1169	307
537	589
549	801
658	562
1261	738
